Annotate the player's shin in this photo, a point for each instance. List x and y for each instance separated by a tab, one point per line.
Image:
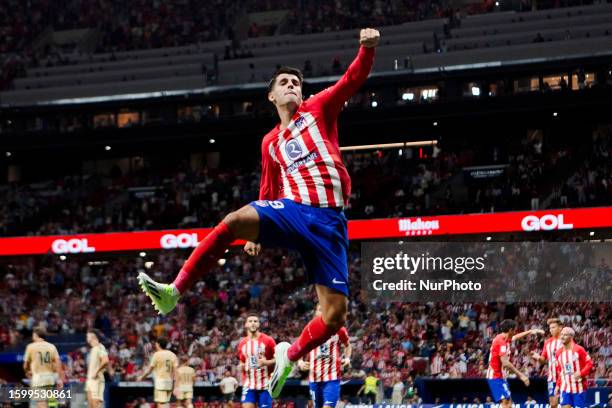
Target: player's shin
204	257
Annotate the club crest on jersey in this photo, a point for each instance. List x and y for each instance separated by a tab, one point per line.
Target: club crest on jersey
293	149
300	123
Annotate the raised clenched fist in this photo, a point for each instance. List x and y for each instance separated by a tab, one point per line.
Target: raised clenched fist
368	37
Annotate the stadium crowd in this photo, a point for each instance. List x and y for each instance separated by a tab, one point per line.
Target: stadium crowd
535	175
441	340
143	24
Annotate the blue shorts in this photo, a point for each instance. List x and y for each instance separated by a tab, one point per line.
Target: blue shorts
552	386
325	393
576	400
499	389
318	234
261	398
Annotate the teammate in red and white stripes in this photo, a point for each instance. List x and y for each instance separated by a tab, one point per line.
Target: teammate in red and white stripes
304	188
325	368
549	352
499	359
256	355
573	366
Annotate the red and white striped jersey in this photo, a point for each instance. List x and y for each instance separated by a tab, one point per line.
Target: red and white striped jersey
575	360
303	162
549	352
437	364
499	347
255	376
325	364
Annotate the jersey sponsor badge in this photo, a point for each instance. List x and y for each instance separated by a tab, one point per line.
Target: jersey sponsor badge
300	123
293	149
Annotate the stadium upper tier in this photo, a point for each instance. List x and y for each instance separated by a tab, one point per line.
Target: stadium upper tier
435	44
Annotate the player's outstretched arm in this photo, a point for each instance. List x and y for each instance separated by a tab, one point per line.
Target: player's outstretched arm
369	37
527	333
333	98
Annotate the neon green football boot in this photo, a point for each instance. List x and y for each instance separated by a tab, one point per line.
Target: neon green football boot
164	296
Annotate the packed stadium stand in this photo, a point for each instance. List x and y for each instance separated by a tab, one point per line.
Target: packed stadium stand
435	339
535	173
432	44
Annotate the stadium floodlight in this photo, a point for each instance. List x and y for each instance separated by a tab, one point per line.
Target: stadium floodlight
9	154
62	257
374	104
592	233
555	114
107	148
435	123
143	254
488	238
211	141
383	146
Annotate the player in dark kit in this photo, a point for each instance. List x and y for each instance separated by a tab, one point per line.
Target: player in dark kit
304	188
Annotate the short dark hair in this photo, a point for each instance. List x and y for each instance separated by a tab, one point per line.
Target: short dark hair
285	70
96	333
507	325
40	332
163	342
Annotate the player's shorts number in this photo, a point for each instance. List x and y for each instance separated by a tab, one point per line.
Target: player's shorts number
313	396
277	204
506	389
274	204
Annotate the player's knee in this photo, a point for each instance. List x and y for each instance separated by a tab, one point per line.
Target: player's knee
232	220
236	221
335	316
243	223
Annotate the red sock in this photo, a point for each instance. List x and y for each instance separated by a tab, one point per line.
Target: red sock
204	257
314	334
